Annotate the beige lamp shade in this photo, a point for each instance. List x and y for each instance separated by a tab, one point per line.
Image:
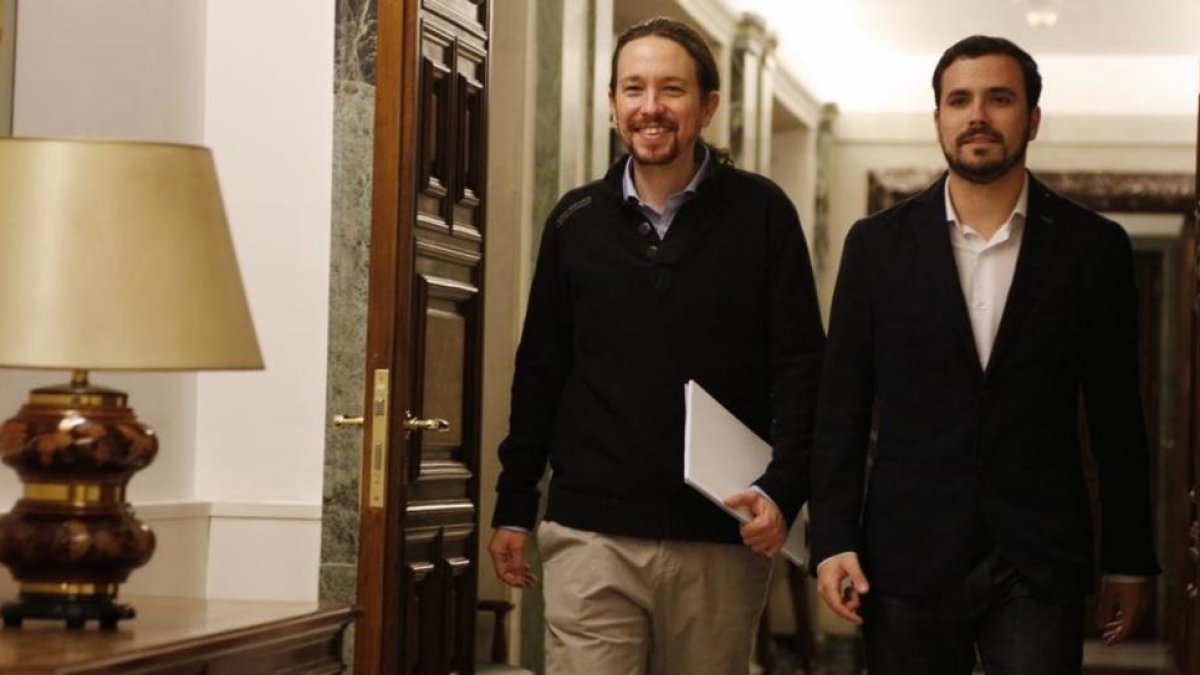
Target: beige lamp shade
117	256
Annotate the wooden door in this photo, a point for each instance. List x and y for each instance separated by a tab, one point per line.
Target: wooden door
420	488
1185	603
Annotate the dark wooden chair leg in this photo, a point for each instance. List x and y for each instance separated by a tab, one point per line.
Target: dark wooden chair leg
764	646
805	642
499	610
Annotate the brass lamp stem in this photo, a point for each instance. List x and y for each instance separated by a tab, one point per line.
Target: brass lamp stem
79	379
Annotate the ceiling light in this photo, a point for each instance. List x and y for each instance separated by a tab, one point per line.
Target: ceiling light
1041	18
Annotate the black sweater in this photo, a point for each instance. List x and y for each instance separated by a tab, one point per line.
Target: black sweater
618	321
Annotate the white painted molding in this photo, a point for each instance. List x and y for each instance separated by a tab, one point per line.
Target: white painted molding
1121	130
715	17
795	97
176	510
575	82
231	550
603	43
1091	130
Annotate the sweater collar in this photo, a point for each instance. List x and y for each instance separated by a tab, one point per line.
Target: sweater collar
711	169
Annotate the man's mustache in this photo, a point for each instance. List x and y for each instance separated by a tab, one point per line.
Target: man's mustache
973	134
655	121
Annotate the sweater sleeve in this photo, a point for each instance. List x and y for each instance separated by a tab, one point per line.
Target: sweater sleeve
543	358
795	345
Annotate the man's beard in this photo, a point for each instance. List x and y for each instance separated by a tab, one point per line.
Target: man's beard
987	172
664	155
668	155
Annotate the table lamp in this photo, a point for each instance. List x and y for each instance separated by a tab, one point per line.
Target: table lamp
113	256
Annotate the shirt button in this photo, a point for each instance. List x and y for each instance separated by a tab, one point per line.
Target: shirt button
644	228
651	251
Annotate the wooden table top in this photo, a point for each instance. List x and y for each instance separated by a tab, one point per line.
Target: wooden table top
162	625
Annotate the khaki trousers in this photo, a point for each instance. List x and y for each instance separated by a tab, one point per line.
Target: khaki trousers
626	606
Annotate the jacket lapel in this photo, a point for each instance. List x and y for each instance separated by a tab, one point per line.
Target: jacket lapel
933	232
1034	260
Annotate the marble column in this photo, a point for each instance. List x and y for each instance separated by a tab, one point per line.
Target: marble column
353	141
750	97
8	33
820	230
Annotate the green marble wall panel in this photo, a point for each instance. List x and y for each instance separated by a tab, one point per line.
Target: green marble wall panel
547	153
354	115
353	153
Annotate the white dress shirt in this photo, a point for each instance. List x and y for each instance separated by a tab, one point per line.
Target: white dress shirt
986	267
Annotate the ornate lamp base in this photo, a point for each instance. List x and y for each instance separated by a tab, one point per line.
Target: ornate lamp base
76	604
71	539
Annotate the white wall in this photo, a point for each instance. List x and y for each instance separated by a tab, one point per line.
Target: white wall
269	119
793	167
260	436
111	68
237	484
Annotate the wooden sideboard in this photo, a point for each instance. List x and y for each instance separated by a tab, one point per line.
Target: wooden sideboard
184	636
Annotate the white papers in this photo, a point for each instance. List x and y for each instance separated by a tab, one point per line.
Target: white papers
721	456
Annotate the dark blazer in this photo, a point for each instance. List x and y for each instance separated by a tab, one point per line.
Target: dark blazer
970	461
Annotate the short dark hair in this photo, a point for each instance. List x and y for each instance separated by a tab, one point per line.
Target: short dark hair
982	45
682	34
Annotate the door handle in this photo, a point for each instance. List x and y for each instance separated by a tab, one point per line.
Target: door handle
1193	591
340	420
434	424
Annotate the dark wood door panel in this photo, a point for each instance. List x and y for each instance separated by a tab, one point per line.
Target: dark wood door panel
470	72
441	596
417	561
447	317
417	589
435	140
471	15
460	640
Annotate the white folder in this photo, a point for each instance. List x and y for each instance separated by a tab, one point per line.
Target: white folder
722	456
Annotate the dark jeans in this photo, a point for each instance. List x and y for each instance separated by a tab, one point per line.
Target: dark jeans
1014	629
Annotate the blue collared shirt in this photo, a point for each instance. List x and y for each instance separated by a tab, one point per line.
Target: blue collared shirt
662	221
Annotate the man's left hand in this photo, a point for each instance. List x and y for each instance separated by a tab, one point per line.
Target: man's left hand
1119	609
766	530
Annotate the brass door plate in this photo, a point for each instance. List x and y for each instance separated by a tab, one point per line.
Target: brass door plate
377	486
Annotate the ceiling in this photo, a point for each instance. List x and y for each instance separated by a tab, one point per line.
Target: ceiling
1084	27
1130	57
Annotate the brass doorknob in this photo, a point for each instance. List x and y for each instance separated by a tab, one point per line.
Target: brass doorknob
341	420
435	424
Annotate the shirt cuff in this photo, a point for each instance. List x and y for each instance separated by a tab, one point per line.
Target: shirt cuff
835	555
514	528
